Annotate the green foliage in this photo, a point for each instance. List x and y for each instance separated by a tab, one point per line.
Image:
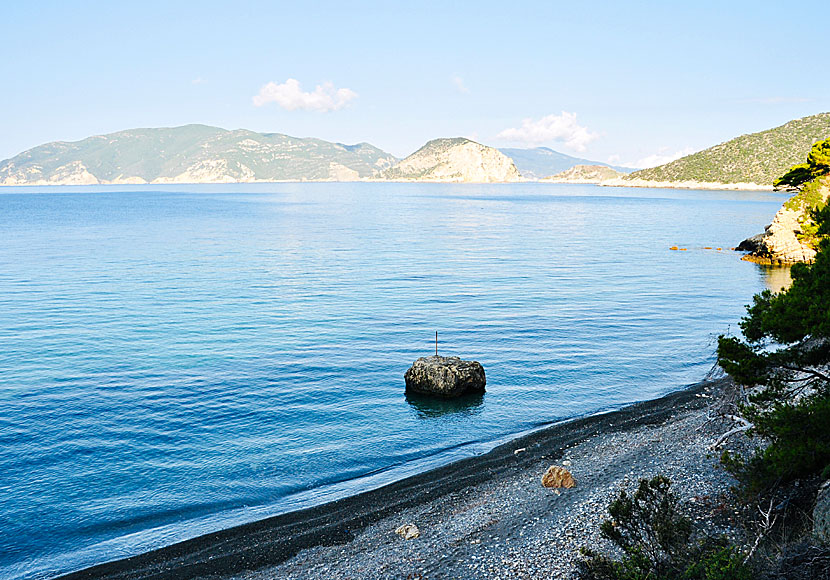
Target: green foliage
795	177
785	352
648	521
819	157
809	200
818	164
756	158
720	562
657	542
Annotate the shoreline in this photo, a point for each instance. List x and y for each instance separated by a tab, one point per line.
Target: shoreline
247	550
638	183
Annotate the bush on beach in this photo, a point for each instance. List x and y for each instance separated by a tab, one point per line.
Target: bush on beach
658	542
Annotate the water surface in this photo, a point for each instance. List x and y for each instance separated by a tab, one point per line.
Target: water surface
178	359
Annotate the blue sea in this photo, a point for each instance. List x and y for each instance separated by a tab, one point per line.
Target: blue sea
179	359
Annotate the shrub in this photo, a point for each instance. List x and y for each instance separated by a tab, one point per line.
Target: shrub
658	542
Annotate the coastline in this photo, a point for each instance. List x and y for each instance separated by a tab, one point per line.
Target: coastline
297	544
639	183
706	185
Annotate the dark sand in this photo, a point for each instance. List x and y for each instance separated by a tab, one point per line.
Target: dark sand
482	517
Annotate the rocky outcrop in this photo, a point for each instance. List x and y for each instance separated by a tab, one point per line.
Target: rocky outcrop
584	174
445	376
784	241
455	160
821	513
779	244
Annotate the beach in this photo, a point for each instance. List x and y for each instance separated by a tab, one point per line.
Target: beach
482	517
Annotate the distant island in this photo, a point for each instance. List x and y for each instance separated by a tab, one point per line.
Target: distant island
192	154
585	174
542	162
203	154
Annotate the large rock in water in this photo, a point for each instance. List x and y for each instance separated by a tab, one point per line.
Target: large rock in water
445	376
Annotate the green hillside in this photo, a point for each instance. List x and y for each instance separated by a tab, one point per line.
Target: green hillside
755	158
197	153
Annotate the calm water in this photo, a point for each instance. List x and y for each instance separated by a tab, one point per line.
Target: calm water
176	360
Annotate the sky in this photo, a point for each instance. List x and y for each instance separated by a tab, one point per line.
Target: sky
631	83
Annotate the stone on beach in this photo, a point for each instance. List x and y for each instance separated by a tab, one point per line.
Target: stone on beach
408	531
445	376
557	476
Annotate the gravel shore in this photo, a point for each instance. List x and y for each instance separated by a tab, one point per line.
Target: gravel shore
483	517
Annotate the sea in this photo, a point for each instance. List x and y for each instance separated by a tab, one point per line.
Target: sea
176	360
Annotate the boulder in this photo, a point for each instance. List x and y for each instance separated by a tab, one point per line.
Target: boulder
557	476
445	376
408	531
821	513
753	244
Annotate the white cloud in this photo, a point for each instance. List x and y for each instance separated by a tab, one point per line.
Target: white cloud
561	128
614	158
291	97
660	158
459	85
198	81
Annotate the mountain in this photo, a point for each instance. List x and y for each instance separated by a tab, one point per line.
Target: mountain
585	174
192	154
757	158
455	160
544	162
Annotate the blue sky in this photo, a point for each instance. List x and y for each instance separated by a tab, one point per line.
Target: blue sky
625	82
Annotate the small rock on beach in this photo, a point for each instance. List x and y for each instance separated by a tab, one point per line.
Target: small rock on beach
557	476
408	531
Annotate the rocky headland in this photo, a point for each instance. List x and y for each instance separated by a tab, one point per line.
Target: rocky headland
788	239
457	160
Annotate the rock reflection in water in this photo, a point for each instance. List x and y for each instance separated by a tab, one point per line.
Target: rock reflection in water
428	407
776	278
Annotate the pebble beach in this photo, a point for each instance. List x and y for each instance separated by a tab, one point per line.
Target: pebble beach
483	517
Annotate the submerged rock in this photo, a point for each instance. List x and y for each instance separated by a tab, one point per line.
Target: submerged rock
445	376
